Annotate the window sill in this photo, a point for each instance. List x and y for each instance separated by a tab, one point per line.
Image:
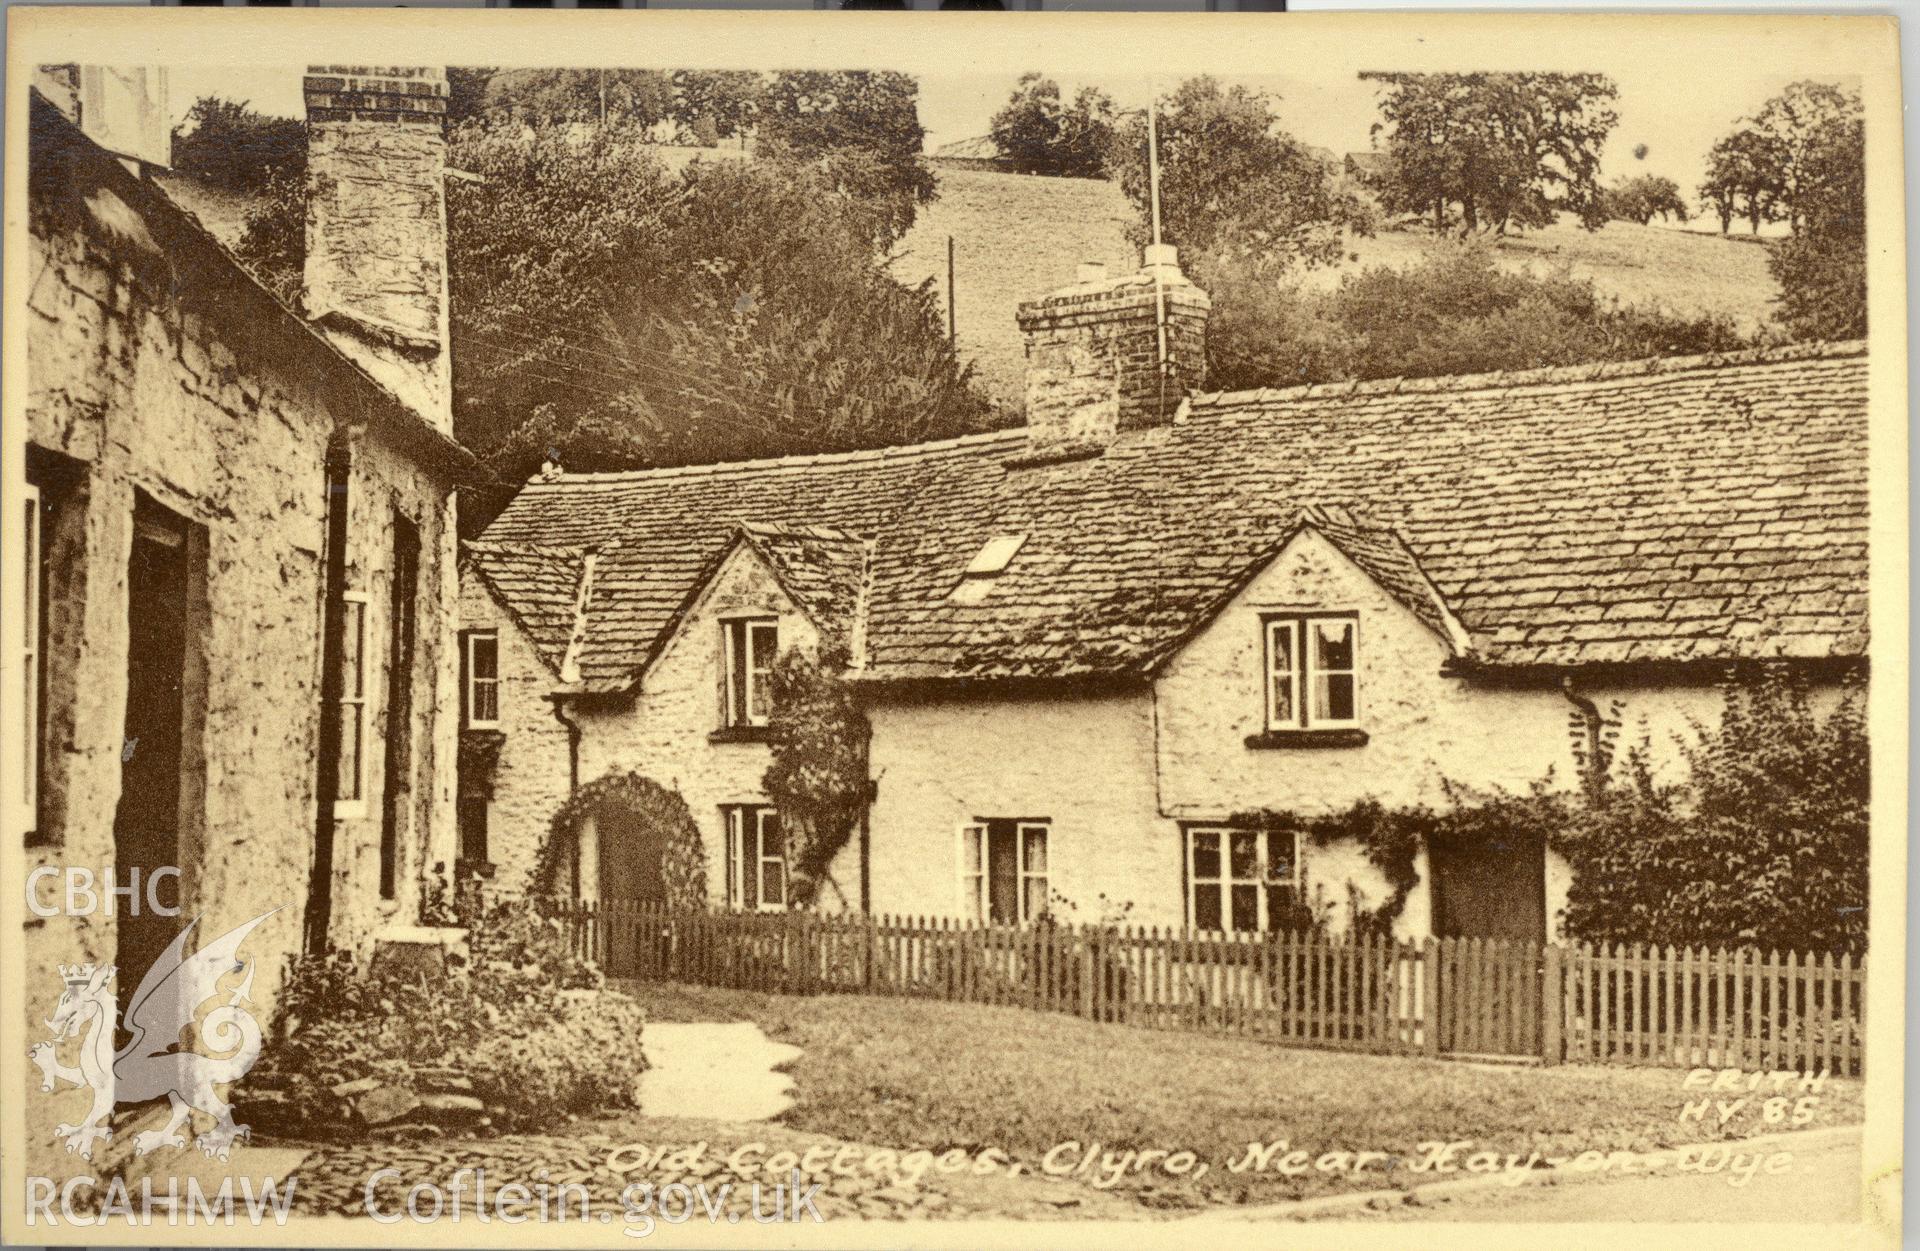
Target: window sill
740	734
1291	740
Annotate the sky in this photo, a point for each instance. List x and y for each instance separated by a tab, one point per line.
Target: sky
1671	114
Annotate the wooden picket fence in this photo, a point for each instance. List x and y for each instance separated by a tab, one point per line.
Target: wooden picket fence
1459	997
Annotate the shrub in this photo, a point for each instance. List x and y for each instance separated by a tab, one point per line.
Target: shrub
817	769
525	1023
1764	840
625	795
1457	312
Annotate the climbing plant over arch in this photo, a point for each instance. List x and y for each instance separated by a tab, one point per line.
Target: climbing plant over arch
684	862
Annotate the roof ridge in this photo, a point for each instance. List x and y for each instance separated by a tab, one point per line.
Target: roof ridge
799	530
1546	375
519	547
897	451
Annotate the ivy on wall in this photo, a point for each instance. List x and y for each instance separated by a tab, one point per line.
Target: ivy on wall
1391	838
683	865
817	779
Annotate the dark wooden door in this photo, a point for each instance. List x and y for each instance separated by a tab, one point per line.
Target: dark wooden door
631	852
1494	888
146	823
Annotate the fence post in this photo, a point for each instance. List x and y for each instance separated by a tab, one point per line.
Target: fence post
1087	964
1552	1005
1430	995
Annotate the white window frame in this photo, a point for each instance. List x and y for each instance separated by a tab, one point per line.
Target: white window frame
739	862
350	801
1300	629
1226	880
976	884
30	660
743	685
474	681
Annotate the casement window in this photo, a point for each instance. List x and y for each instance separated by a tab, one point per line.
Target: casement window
751	645
350	799
1003	871
1241	880
481	658
1313	672
756	859
33	655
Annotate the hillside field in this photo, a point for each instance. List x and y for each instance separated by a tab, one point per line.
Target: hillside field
1017	236
1685	272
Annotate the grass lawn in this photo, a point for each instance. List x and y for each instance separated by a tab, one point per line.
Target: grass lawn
907	1074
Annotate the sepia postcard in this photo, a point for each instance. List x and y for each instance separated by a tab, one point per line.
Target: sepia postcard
851	629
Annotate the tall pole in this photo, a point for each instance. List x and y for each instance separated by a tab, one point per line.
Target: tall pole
1153	195
953	333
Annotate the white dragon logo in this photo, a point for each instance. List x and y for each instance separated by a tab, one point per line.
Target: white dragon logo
152	1064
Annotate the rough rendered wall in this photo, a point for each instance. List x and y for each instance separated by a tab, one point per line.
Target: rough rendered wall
1086	765
1422	727
530	776
664	732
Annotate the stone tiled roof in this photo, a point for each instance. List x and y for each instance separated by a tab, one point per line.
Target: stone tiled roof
821	569
1383	555
539	584
1701	508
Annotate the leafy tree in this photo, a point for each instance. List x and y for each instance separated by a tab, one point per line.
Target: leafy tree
1232	184
726	101
860	131
1802	125
1040	135
273	240
1642	198
620	97
621	315
1457	312
233	145
1764	840
1822	269
467	92
1509	150
1745	178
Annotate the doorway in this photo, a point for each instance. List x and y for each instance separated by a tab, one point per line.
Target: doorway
631	850
163	584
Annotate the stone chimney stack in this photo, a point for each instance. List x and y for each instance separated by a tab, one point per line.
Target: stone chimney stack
376	275
1093	354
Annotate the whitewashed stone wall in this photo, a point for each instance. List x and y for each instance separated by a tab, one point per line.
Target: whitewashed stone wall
664	732
532	772
153	366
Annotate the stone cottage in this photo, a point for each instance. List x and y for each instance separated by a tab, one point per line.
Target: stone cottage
238	584
1085	645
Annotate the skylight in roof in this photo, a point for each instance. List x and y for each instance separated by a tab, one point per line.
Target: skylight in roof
995	556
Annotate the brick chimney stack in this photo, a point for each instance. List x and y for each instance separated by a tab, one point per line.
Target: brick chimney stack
1093	354
376	272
